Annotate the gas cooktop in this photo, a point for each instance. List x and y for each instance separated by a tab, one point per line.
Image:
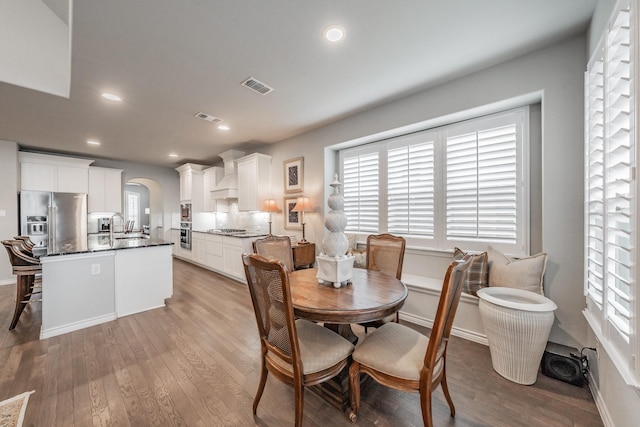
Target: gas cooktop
228	230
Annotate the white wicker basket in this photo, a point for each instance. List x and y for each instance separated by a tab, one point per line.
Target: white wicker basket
517	323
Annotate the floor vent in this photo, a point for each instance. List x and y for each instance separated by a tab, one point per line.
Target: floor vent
207	117
257	86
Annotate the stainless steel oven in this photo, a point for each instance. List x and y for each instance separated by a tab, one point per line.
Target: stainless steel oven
185	212
185	235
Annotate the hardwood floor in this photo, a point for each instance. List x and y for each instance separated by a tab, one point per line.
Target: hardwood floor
195	362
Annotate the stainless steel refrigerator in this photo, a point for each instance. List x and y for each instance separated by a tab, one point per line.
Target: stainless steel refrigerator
54	221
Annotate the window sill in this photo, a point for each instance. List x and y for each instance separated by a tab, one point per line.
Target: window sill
616	358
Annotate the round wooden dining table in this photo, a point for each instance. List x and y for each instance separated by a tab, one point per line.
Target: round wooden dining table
372	295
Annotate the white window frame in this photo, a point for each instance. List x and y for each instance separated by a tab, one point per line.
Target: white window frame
622	345
519	116
128	215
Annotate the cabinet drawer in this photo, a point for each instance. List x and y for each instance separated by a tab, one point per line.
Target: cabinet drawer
213	238
213	248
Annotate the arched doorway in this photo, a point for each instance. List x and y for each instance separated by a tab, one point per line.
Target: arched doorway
151	212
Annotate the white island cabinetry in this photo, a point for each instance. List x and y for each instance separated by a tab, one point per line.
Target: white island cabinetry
88	288
254	181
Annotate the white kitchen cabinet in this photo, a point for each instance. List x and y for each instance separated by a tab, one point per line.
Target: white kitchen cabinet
254	181
191	185
178	250
42	172
213	252
105	190
175	239
212	176
232	250
197	247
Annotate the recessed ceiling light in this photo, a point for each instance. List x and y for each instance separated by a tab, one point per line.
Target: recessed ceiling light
173	155
334	33
111	97
93	142
223	127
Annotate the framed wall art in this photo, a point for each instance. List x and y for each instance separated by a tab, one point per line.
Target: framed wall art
291	219
294	175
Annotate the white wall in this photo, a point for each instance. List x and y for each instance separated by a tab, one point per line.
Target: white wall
552	75
39	54
8	204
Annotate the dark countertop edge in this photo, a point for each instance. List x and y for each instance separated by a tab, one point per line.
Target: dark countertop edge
238	235
91	251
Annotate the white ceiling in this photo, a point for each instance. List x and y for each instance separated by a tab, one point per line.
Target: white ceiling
170	59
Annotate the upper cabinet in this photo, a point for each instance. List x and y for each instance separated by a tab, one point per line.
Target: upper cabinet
254	181
105	190
212	176
191	185
41	172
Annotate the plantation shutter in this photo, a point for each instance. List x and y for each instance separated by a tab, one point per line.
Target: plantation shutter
619	163
361	192
482	185
594	196
410	189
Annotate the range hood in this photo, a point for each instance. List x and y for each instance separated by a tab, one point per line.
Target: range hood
227	188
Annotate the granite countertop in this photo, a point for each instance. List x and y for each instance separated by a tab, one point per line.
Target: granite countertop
99	243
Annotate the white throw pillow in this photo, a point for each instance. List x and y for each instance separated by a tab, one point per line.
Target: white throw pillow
520	273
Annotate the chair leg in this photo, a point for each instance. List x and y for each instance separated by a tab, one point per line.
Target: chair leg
263	381
425	404
22	288
445	390
354	390
298	389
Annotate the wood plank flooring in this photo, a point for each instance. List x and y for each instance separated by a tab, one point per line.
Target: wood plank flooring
195	362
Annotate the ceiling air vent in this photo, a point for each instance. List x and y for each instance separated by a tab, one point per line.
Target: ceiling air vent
257	86
207	117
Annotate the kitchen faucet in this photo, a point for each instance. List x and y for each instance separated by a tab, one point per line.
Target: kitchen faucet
112	224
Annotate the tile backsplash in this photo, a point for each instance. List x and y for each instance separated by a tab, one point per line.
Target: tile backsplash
250	221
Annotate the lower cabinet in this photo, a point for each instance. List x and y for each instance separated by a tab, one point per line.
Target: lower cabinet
197	247
213	252
232	250
175	239
222	254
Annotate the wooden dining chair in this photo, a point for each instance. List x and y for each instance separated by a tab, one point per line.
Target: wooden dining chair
385	253
298	352
275	247
401	358
25	267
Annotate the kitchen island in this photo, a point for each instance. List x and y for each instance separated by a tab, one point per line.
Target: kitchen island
106	279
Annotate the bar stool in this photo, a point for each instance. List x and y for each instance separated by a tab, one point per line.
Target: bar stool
25	267
27	244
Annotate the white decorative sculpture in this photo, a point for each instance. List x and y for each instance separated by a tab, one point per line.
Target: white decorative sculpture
334	265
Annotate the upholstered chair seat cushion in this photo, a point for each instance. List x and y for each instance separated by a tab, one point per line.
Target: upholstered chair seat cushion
395	350
320	348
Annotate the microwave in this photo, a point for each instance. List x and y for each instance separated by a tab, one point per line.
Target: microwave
185	212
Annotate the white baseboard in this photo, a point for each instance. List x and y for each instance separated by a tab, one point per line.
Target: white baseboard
597	397
70	327
4	282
